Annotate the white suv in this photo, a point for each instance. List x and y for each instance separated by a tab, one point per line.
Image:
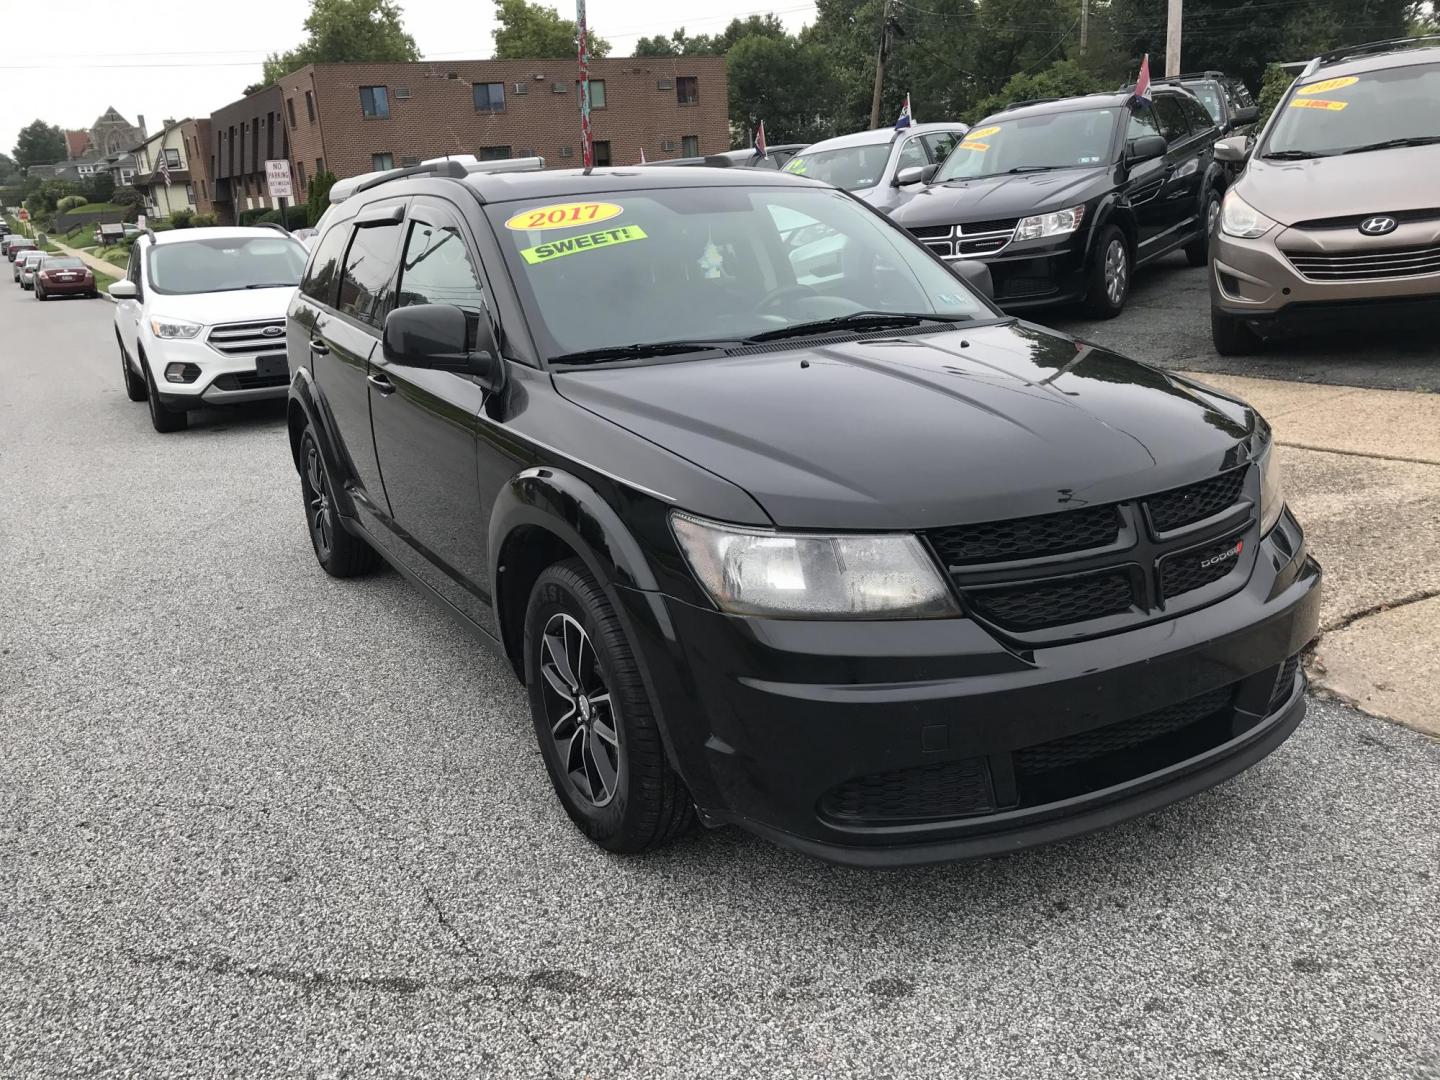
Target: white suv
200	318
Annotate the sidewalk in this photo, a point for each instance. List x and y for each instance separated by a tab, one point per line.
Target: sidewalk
91	261
1362	473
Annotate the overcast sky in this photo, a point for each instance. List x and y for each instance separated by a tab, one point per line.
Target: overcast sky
192	59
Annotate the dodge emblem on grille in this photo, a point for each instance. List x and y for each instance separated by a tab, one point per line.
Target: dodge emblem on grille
1378	225
273	331
1224	556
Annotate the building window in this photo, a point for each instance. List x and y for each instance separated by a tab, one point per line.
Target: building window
190	193
300	173
597	93
559	88
309	106
602	152
172	157
319	165
402	93
374	102
270	126
522	88
204	194
494	153
687	90
489	97
290	111
567	151
382	162
690	146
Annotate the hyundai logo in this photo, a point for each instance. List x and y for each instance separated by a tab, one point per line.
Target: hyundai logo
1378	225
276	331
1224	556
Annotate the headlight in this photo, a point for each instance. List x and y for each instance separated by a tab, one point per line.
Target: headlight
1239	218
807	576
174	328
1056	224
1272	495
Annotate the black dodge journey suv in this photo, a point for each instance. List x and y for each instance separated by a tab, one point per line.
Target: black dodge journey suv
781	523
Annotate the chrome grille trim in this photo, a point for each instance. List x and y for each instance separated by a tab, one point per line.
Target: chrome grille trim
958	242
1363	265
246	338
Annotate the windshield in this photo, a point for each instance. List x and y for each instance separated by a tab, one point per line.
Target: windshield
1331	116
62	263
1052	140
1209	95
852	168
224	263
712	264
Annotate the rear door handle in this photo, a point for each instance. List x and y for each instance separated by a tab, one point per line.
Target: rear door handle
380	383
318	347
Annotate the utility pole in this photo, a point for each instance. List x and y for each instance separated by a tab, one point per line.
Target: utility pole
1172	39
880	54
1084	25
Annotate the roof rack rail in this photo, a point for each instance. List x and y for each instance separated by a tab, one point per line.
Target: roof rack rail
1028	101
1192	75
1334	56
456	167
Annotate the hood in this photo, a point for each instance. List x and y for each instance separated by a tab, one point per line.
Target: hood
910	432
234	305
992	197
1378	182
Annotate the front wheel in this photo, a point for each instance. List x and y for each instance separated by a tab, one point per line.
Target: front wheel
340	553
1109	275
1232	336
163	418
594	720
1197	252
40	293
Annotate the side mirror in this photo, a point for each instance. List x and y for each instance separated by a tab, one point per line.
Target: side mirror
1232	149
976	275
1145	148
1247	115
916	174
436	336
123	290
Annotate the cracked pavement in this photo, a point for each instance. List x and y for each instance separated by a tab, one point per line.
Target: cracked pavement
257	822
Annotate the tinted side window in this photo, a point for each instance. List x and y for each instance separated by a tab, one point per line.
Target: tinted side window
940	144
1198	115
1142	123
324	269
1171	119
369	269
437	269
911	154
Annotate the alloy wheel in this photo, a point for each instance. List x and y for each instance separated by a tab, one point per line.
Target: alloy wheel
319	514
1117	271
1211	216
580	711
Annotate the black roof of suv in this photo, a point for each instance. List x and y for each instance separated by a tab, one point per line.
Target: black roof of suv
757	497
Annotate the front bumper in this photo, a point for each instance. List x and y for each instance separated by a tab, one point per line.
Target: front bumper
1039	273
1255	279
214	379
819	735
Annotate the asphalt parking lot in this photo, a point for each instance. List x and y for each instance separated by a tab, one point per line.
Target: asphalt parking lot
255	822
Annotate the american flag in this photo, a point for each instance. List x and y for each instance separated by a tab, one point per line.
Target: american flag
164	169
1142	83
760	151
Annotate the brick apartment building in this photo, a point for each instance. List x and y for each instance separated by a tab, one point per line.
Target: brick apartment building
356	118
195	135
243	136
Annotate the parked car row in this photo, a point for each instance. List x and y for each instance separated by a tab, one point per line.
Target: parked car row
49	274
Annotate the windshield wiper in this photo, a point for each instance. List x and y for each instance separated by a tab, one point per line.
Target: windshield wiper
272	285
1388	144
857	320
1292	155
638	351
1031	168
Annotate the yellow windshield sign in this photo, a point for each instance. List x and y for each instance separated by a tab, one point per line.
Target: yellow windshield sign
563	215
1317	103
982	133
980	147
1329	84
573	245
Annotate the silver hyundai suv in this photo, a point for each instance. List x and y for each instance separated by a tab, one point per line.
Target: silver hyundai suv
1337	203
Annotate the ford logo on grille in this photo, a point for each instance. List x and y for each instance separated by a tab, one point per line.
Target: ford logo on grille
273	331
1378	225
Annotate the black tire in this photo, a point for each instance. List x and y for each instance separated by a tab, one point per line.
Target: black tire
135	388
1108	285
1233	336
40	293
163	418
339	552
1197	252
648	805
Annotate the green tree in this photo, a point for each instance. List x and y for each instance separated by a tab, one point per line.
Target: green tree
783	82
533	31
1064	78
319	197
681	44
99	187
339	31
39	143
8	168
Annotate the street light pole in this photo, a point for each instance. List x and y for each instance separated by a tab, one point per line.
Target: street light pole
1172	39
1084	25
880	52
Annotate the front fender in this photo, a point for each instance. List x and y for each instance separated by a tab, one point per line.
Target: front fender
1110	209
305	407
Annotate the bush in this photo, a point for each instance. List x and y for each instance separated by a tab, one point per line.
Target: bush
1277	81
127	196
69	202
319	200
1064	78
204	221
182	219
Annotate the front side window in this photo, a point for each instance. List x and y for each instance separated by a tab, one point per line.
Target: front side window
1199	117
1353	113
437	270
1074	138
940	144
1209	95
711	264
912	154
1171	118
369	268
490	97
324	269
225	264
375	102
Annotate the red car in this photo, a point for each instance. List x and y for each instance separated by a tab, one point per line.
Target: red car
63	275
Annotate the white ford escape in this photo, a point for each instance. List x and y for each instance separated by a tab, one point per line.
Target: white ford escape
200	318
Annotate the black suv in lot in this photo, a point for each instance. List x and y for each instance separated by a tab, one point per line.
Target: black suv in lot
781	522
1065	199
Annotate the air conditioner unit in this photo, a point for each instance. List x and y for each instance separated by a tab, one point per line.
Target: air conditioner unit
567	151
538	77
669	145
558	88
665	84
526	151
407	162
521	88
402	93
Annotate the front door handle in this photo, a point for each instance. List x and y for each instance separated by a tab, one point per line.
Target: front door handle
380	383
318	347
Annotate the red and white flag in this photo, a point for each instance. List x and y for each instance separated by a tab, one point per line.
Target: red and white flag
760	151
164	169
1142	83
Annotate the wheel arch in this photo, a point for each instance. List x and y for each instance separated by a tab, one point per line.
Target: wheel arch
1113	212
303	409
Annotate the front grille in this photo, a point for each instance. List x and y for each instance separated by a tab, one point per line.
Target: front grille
943	790
933	232
968	239
1352	221
1195	502
1396	262
1055	602
1284	684
1190	570
1047	534
247	338
1100	742
248	380
1020	286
